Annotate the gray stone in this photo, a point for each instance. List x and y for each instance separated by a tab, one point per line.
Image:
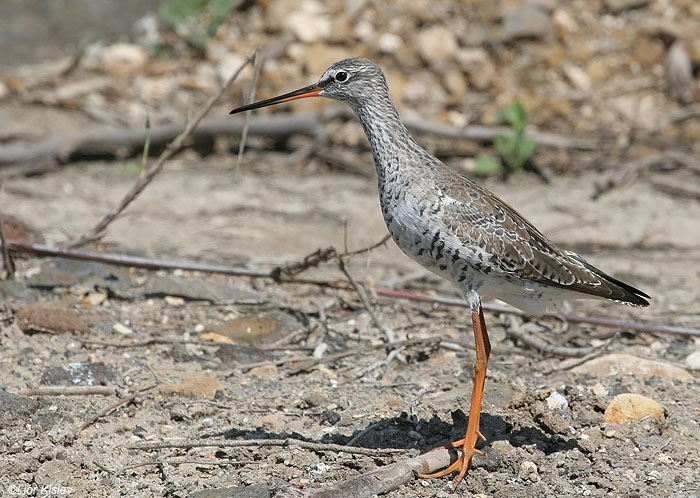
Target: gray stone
526	21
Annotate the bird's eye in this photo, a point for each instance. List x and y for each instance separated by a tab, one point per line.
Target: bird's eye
341	76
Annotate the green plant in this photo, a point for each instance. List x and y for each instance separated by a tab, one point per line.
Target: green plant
133	168
514	148
196	20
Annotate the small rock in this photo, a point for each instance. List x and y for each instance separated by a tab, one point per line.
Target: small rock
692	361
617	6
564	23
478	66
264	372
390	43
490	460
123	59
217	338
679	74
627	364
502	446
310	22
195	387
599	390
527	21
271	421
577	76
437	44
528	470
630	407
556	401
79	373
120	328
50	318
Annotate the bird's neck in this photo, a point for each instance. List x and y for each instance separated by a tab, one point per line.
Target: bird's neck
391	143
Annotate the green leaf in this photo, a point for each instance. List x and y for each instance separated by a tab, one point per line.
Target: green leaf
527	149
487	165
515	115
178	12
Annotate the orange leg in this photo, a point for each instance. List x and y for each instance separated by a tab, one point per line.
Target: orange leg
467	445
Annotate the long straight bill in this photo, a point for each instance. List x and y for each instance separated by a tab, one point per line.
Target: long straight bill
302	93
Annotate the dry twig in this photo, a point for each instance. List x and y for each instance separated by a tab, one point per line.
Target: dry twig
257	66
514	329
390	335
630	170
68	391
307	445
108	410
7	261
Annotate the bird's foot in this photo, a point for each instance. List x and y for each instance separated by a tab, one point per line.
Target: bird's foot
463	462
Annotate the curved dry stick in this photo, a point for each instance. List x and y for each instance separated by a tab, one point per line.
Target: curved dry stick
169	151
385	479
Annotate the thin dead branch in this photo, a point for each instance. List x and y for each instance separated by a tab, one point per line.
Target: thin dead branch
180	461
632	169
7	261
169	151
69	391
515	329
390	335
109	409
257	66
307	445
566	317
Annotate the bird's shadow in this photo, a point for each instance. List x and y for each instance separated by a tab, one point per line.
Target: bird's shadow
404	432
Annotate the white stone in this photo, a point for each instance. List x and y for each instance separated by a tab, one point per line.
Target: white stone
556	401
310	22
692	361
437	44
123	59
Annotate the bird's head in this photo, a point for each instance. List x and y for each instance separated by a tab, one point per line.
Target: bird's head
353	81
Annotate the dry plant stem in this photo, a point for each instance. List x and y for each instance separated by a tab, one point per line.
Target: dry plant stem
630	170
257	65
69	391
514	329
109	409
390	335
308	445
306	362
567	317
160	264
169	151
7	262
172	461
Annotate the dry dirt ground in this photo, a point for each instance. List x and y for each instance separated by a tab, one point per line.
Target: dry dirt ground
271	212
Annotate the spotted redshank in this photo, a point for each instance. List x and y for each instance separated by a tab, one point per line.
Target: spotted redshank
456	228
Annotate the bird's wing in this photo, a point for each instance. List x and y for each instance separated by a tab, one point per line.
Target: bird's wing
518	249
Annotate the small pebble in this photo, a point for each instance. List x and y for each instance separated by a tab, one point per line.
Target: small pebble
120	328
692	361
556	401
